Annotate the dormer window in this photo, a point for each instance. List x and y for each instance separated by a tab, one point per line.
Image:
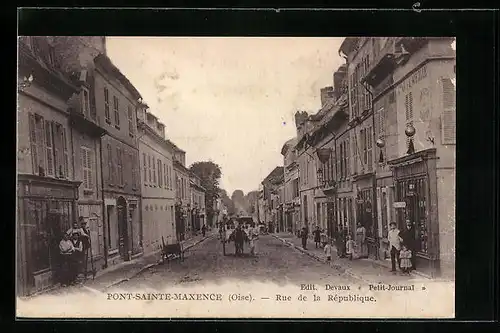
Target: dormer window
85	101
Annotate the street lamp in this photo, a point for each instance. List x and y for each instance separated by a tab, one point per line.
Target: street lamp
410	132
381	144
26	82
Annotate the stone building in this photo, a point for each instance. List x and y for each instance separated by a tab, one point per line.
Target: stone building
117	101
182	195
197	203
413	85
291	186
157	186
271	197
48	187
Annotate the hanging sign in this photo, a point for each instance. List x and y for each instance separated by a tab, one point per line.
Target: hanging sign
399	204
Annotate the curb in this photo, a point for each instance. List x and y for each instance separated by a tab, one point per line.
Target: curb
148	266
338	267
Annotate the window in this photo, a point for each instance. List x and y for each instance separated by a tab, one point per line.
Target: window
145	164
116	111
165	177
149	170
106	106
154	172
38	147
369	143
49	148
130	121
135	173
160	175
337	160
119	164
347	158
52	56
111	171
85	102
87	160
448	121
367	102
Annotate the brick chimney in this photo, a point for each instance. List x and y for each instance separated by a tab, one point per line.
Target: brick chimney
326	94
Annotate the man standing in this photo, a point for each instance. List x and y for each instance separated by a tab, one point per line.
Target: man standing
317	236
408	236
304	235
394	244
203	230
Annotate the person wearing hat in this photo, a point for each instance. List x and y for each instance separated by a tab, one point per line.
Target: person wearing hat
395	245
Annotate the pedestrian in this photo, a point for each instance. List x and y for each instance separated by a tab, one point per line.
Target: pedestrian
239	238
405	255
350	247
395	245
341	242
408	237
253	236
304	238
76	257
75	228
65	250
317	237
204	230
361	245
328	252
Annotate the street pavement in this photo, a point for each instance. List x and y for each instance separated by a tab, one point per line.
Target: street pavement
279	260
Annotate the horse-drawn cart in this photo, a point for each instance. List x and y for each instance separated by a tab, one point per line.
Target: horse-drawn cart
171	251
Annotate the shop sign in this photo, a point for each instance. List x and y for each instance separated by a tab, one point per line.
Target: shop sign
399	204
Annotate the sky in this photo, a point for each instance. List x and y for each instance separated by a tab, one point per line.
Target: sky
229	100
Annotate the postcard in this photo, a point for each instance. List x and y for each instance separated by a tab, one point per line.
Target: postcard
211	177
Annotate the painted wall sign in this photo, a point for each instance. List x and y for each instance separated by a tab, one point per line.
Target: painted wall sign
416	77
399	204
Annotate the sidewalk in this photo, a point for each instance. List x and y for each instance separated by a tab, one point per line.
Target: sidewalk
124	271
367	270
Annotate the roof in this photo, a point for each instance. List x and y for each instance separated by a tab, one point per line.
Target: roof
347	45
287	145
276	174
106	63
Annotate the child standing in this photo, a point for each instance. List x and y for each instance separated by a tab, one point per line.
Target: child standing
350	246
328	252
405	256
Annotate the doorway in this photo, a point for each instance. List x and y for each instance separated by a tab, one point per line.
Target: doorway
121	205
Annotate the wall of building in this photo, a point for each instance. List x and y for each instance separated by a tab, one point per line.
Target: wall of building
36	100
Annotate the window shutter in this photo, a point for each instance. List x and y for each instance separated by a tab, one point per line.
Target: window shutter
448	119
110	165
33	143
93	110
65	150
41	143
83	155
347	158
149	169
49	149
90	166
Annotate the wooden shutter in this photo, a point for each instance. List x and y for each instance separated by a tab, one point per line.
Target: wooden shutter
84	161
448	119
40	135
110	165
149	170
49	148
65	152
33	143
93	110
369	148
347	158
90	166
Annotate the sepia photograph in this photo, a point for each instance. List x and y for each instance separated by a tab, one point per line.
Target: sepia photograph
235	177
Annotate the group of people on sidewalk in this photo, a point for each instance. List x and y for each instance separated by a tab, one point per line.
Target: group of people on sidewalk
401	243
72	249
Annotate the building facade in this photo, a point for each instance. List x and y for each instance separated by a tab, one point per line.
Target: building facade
157	186
271	198
48	188
413	84
197	203
116	102
291	186
182	196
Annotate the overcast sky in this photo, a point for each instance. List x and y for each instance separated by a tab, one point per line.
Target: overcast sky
229	100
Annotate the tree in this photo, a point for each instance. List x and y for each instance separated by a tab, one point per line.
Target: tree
227	202
209	174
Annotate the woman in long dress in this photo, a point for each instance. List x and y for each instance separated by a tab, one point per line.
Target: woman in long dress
361	245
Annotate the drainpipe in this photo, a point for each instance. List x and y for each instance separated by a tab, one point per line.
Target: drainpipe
104	213
374	203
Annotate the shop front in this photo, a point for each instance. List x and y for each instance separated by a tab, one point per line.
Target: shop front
366	214
46	210
416	201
